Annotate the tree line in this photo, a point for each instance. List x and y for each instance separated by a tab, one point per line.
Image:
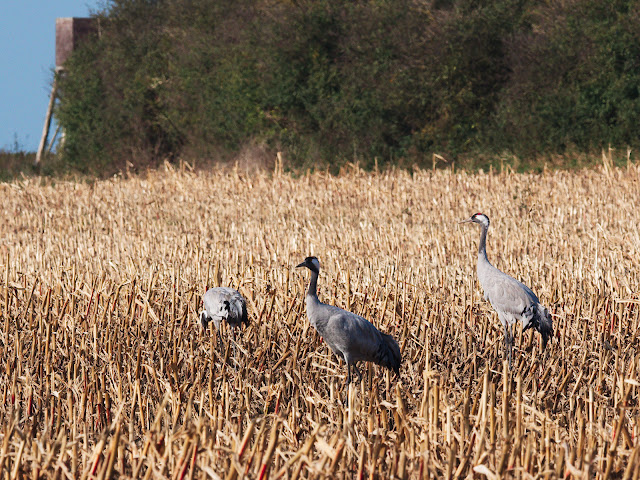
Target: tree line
329	82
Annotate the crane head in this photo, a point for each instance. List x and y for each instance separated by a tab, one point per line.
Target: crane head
480	218
311	263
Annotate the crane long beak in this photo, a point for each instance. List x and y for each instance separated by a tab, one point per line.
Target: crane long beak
468	220
301	265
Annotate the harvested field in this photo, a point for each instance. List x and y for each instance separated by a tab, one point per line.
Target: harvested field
105	373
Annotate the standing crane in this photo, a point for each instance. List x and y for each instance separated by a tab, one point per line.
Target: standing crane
350	336
511	299
224	303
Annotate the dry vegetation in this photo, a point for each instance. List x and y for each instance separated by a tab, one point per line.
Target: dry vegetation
104	372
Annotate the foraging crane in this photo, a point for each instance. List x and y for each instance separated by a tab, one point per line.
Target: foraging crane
511	299
224	303
350	336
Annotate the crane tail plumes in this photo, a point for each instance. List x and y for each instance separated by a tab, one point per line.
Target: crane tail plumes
241	314
541	321
388	354
544	325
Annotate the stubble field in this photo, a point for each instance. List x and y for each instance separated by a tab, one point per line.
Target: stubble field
105	372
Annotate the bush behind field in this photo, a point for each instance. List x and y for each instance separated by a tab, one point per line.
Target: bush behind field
370	81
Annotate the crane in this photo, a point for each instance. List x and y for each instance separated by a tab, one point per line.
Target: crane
224	303
511	299
350	336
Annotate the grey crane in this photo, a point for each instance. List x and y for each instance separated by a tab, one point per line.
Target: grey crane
350	336
224	303
511	299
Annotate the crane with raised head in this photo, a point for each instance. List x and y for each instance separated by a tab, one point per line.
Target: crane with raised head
350	336
511	299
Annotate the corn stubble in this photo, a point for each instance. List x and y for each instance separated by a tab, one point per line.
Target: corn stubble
104	372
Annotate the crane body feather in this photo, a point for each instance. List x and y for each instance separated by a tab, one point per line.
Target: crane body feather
506	294
224	303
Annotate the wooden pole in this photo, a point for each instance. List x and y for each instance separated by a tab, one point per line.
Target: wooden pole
53	139
47	120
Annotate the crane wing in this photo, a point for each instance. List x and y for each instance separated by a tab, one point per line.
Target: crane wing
350	334
507	295
213	299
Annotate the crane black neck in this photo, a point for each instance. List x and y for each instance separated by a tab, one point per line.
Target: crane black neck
482	246
313	284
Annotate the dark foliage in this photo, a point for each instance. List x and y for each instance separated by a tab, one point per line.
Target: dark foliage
335	81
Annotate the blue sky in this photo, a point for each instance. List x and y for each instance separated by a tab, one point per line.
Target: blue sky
27	58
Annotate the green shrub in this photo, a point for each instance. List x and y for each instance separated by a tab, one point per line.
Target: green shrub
336	81
575	80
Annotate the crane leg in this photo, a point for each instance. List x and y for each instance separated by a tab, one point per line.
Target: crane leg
235	347
348	374
508	343
355	367
219	335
